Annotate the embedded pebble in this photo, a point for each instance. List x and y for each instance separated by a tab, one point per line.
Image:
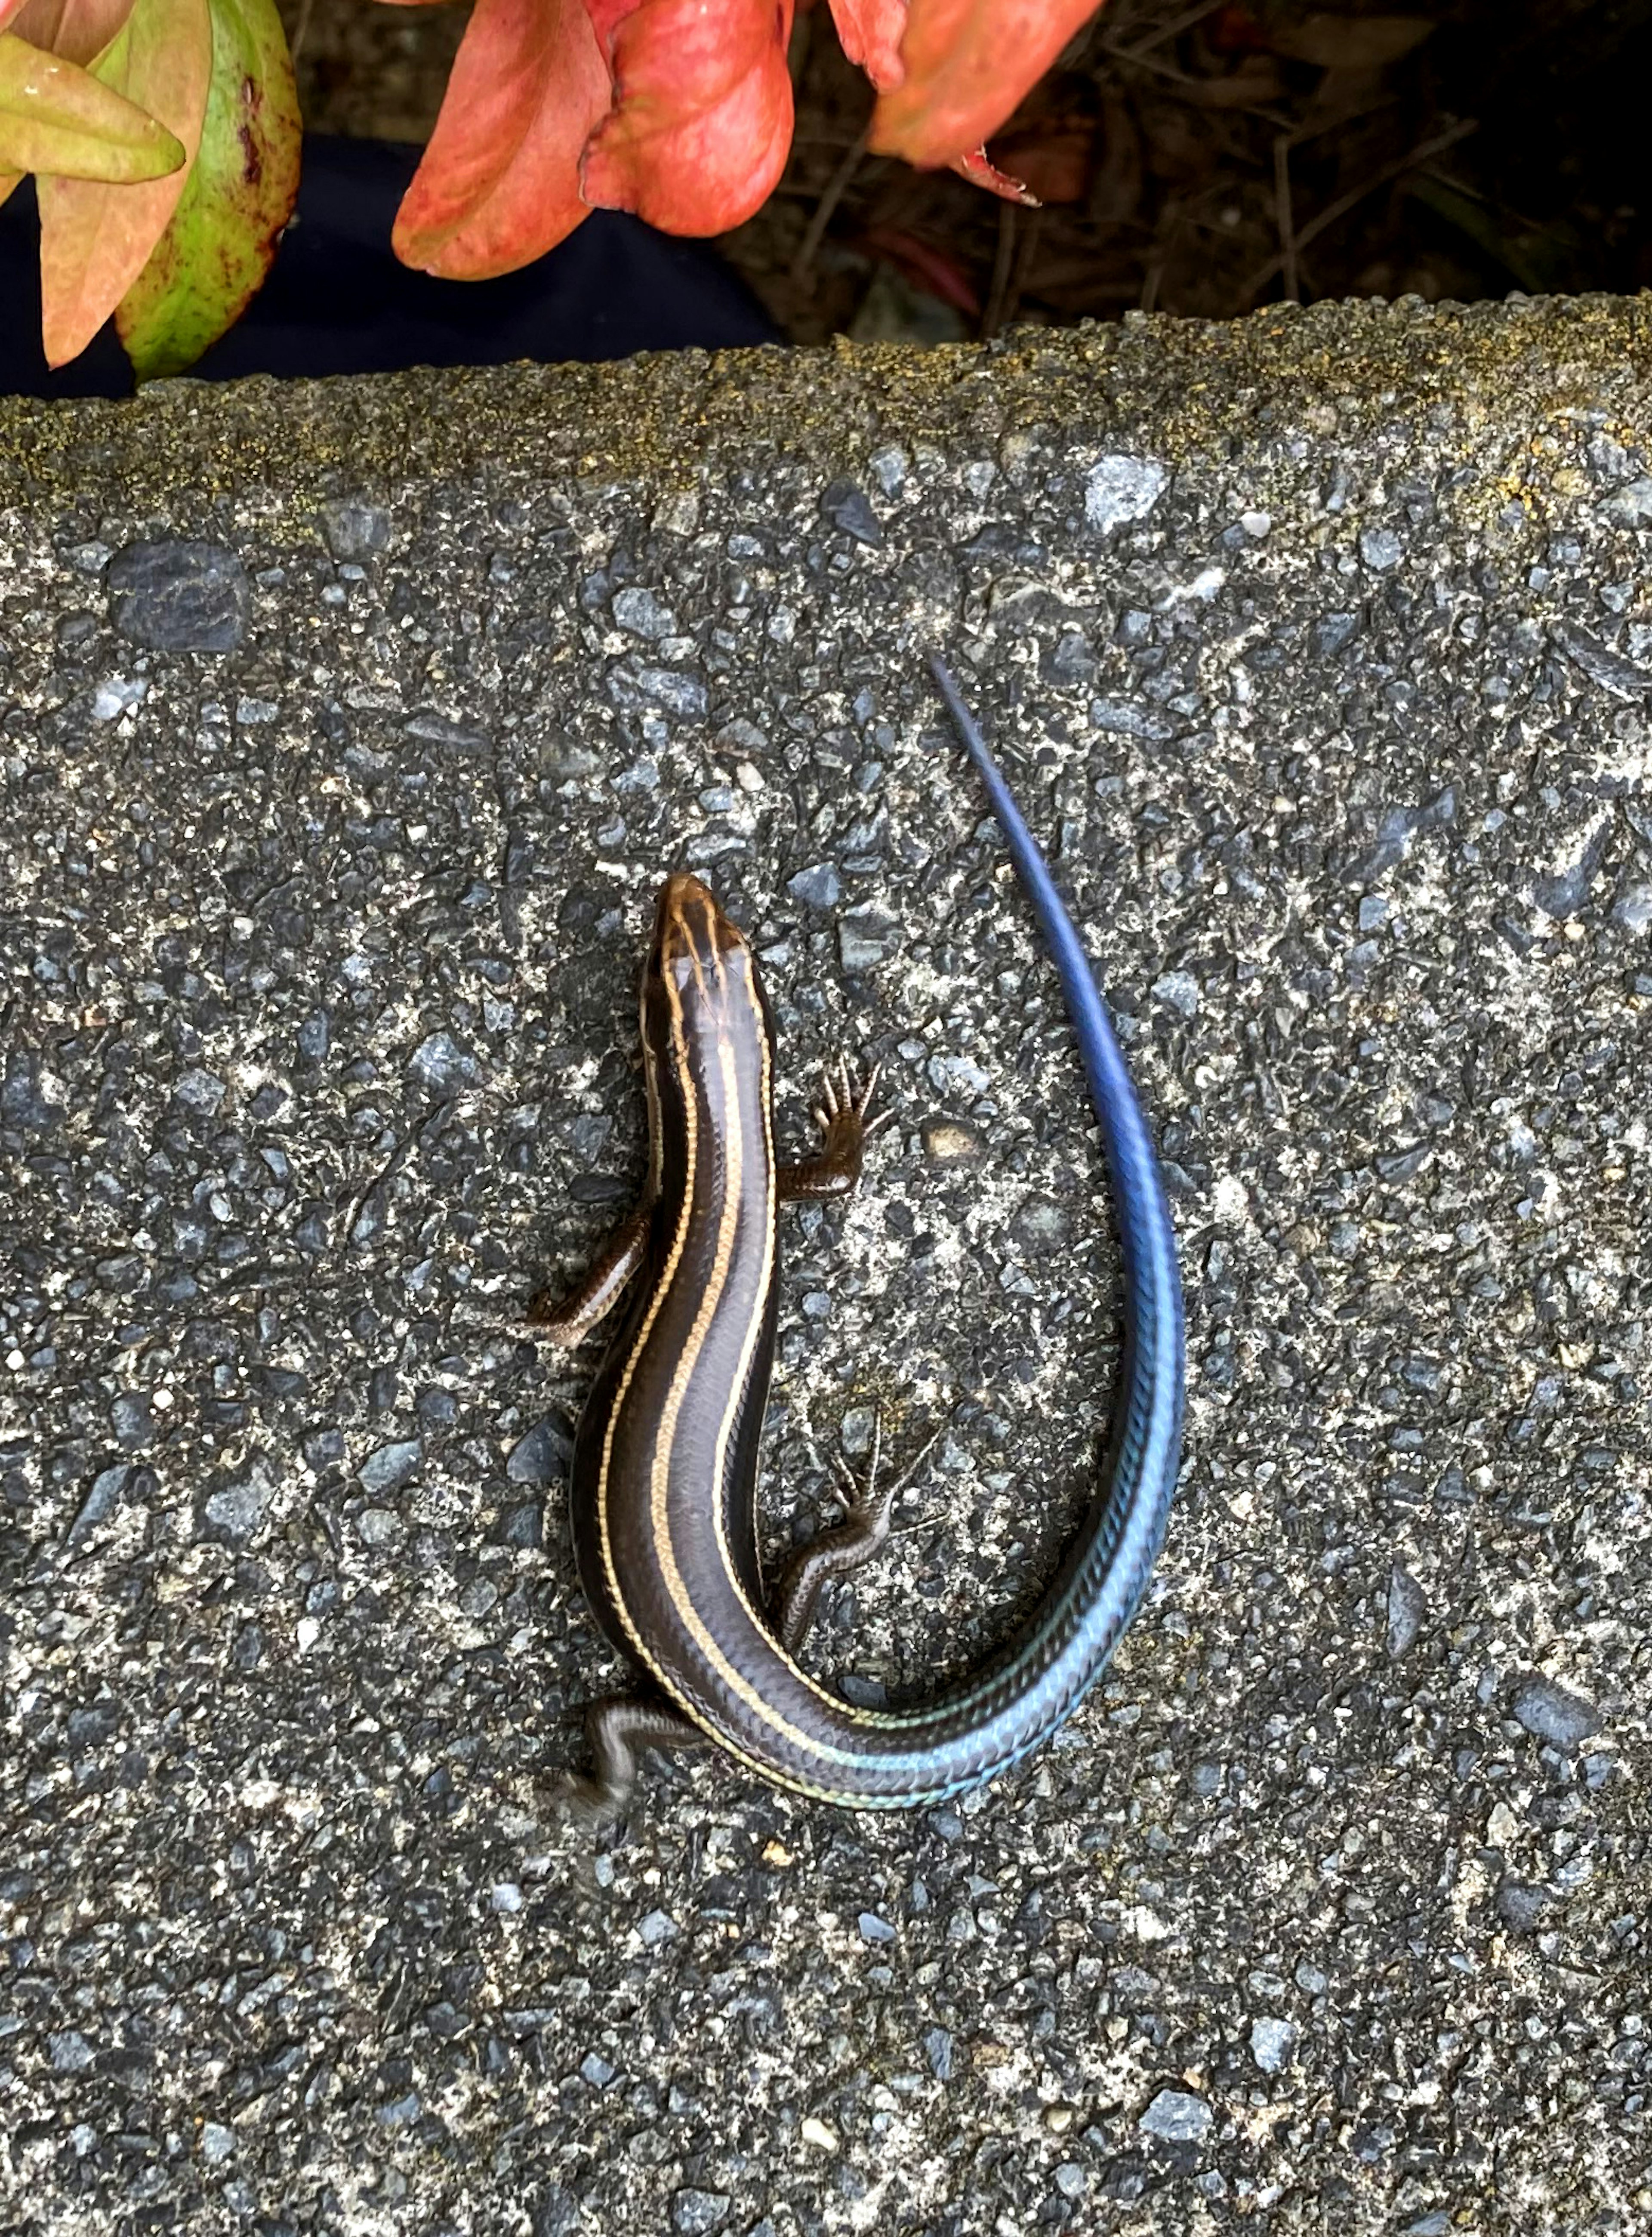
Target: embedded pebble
1119	489
1381	549
175	595
694	2213
1177	2117
237	1508
355	528
1520	1907
641	614
848	505
818	887
390	1466
1550	1713
953	1141
542	1453
442	1065
1407	1611
866	938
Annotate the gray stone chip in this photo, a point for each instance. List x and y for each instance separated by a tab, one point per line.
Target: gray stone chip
354	528
817	888
638	685
1631	507
1550	1713
1520	1907
70	2052
847	504
1124	720
1622	677
1119	489
23	1102
1177	2117
697	2213
1407	1611
176	596
541	1454
867	937
236	1509
443	1065
390	1466
100	1502
641	614
1381	549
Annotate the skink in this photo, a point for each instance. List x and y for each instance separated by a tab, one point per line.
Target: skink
662	1483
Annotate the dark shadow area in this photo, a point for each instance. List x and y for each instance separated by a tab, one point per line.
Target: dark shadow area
1204	159
337	301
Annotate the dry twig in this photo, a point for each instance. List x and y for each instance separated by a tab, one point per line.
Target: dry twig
836	186
1425	152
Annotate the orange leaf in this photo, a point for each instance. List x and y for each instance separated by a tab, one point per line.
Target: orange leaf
73	30
76	30
869	32
968	63
498	183
95	240
702	112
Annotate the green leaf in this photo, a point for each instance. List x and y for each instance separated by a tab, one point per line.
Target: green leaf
57	118
211	258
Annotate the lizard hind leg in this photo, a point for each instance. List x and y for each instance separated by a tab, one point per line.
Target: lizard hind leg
839	1553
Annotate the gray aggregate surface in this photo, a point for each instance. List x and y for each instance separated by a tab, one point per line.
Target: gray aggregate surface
347	731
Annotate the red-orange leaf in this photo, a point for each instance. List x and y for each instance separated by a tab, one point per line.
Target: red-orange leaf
702	113
95	240
968	64
498	183
869	32
980	170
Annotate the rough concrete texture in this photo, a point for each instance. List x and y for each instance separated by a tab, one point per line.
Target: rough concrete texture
1321	648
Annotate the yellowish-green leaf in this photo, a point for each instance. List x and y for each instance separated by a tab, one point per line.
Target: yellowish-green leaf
212	257
95	240
58	119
